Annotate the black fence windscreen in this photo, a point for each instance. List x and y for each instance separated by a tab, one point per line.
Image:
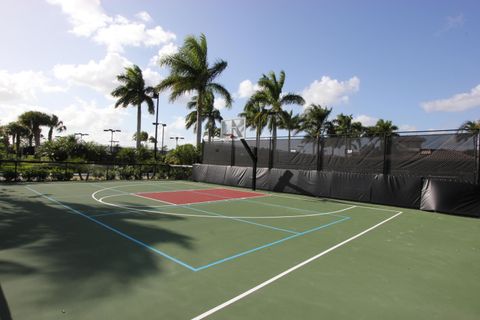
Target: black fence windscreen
446	155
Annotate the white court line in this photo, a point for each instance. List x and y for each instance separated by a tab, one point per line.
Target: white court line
208	216
301	197
281	275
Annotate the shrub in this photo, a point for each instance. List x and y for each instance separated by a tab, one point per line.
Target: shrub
61	175
98	173
10	175
126	173
37	174
111	175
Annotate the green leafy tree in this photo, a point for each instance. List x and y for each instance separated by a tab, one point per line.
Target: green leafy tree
270	95
470	126
143	136
33	120
381	128
17	131
344	125
55	124
209	113
191	72
184	154
133	91
256	117
290	123
315	124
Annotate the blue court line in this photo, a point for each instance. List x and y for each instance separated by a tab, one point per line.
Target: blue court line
242	220
184	264
112	213
140	243
270	244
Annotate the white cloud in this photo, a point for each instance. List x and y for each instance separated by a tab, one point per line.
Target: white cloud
151	77
219	103
123	32
166	50
144	16
327	91
366	120
451	22
100	76
86	16
406	127
10	111
177	124
246	89
89	20
24	85
456	103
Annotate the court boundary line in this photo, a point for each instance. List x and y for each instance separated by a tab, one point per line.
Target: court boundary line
286	272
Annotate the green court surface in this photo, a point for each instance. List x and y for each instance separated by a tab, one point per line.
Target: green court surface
102	251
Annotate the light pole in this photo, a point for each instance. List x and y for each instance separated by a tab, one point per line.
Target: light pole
176	140
163	133
156	96
81	135
111	138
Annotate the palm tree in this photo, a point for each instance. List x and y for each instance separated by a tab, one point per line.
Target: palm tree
55	124
17	131
270	94
344	125
290	123
470	126
315	124
132	91
33	120
383	128
209	113
191	72
143	136
256	117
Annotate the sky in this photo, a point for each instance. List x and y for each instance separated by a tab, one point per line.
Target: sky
416	63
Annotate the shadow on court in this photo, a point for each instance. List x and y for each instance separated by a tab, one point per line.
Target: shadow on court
75	257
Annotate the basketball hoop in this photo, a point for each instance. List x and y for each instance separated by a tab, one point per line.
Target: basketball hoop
233	129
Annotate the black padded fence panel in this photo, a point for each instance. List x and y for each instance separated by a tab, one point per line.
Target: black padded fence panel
216	174
351	186
402	191
199	173
452	197
295	154
360	155
217	152
238	177
263	178
435	155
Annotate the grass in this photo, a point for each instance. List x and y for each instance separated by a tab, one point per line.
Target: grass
65	254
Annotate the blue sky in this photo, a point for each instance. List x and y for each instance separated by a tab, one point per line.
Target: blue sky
413	62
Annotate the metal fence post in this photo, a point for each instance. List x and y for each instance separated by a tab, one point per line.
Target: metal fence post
270	154
477	158
387	141
320	147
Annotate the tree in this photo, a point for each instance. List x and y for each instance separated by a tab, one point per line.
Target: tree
191	72
208	113
470	126
33	120
270	94
344	125
315	124
143	136
133	91
53	124
256	117
382	128
184	154
17	131
290	123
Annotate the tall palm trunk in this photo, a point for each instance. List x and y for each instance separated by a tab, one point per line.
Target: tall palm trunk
139	124
199	123
289	136
36	135
17	145
50	134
